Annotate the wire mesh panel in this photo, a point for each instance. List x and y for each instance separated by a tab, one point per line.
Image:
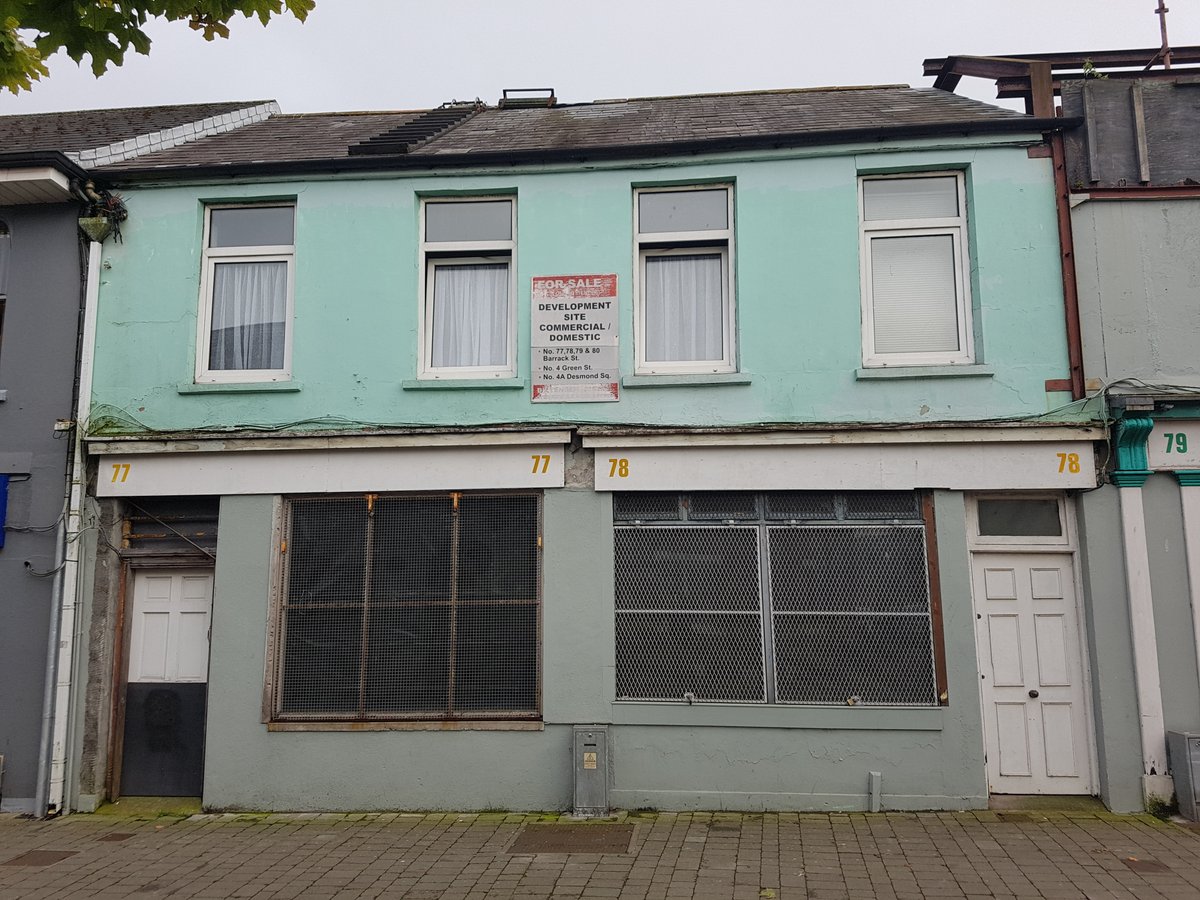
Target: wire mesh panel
801	505
411	607
876	660
688	613
851	614
849	569
496	622
323	607
677	567
722	505
843	612
883	505
646	506
700	656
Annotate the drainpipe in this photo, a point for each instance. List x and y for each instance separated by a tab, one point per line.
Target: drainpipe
40	807
60	662
1066	243
1041	91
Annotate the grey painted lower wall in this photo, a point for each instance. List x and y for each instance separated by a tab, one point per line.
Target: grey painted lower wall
37	370
711	757
1106	616
1172	603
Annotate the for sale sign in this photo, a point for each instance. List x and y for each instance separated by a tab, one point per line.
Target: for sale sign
574	341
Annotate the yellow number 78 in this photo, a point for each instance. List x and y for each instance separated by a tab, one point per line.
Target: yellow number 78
1068	462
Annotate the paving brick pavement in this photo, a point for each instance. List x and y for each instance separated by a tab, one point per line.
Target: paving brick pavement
711	856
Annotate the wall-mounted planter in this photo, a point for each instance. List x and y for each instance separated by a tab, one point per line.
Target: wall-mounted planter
96	227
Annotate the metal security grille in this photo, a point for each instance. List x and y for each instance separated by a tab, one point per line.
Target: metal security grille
689	619
812	597
410	607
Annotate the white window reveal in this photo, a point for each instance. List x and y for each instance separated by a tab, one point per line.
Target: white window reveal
915	285
685	318
468	312
246	294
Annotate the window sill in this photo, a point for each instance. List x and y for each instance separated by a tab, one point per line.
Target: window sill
424	725
239	387
641	381
885	372
461	384
741	715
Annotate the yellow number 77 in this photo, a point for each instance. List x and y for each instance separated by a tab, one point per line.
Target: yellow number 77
541	463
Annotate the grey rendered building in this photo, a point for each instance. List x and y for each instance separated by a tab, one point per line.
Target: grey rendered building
1129	200
44	268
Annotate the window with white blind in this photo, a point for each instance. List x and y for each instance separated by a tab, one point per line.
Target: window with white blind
246	294
468	314
685	321
915	270
407	606
788	597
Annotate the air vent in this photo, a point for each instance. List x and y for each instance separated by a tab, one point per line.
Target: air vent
424	127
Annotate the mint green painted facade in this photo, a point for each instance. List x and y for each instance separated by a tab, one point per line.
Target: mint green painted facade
799	360
797	297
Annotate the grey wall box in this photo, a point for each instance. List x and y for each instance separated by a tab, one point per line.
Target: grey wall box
590	749
1183	750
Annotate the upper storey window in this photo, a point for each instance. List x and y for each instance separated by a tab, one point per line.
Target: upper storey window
685	320
915	289
246	294
468	314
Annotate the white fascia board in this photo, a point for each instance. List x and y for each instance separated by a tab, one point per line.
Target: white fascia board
39	184
359	470
849	436
1030	465
141	446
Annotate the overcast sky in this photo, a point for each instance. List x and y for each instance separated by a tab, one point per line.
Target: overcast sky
402	54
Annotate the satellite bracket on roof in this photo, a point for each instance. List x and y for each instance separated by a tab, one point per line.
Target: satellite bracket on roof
516	98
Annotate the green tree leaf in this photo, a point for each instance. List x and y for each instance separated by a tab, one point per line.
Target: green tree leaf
103	30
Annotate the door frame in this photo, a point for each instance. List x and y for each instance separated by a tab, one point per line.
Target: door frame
122	646
1067	544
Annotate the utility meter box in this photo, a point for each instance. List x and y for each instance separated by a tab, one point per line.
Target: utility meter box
1183	750
590	754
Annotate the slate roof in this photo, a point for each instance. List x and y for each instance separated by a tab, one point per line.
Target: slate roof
710	117
607	127
308	136
75	131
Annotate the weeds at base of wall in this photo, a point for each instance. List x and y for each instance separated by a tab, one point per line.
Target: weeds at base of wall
1160	808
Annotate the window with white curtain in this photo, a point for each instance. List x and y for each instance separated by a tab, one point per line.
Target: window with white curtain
468	311
685	320
915	284
246	294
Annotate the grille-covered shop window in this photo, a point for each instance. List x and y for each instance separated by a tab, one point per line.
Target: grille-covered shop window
813	597
410	607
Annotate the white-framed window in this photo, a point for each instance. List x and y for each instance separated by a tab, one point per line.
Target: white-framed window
684	293
1020	519
916	299
246	289
468	313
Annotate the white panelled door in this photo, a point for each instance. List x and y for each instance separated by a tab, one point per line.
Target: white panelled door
1030	661
169	637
